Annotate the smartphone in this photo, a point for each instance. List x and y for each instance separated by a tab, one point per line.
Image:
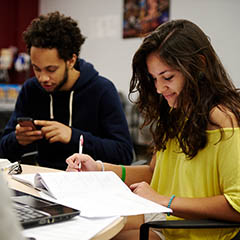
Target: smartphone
26	122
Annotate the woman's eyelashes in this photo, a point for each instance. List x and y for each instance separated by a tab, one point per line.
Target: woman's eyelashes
168	78
165	78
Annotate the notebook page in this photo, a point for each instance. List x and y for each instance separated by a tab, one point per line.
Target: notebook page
98	194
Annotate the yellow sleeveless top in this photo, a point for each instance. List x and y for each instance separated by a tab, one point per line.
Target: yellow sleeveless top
215	170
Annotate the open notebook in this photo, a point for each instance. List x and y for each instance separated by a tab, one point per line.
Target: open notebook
96	194
33	211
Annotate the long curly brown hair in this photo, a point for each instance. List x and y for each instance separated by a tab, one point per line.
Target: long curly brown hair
184	47
55	30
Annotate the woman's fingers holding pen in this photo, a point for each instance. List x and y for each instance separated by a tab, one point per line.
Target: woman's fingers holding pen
87	163
73	163
69	169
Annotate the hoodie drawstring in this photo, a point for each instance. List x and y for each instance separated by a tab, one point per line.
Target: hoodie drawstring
70	108
51	107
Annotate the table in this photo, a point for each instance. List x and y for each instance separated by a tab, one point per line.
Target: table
107	233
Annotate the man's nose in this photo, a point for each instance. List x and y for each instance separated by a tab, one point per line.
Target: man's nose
43	77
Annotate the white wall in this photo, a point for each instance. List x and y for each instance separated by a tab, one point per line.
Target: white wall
101	22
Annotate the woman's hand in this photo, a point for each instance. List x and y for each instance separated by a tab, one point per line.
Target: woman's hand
144	190
82	162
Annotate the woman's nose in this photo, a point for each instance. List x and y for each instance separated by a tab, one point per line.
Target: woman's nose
160	85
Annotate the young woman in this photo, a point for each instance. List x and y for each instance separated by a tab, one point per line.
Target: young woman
192	107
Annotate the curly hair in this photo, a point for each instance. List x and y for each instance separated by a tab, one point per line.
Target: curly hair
55	30
184	47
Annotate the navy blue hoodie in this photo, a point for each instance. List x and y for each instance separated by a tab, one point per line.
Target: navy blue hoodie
91	108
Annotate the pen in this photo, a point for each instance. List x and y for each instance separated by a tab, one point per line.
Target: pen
80	149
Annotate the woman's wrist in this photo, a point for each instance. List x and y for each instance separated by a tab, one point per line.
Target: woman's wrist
164	201
100	165
170	203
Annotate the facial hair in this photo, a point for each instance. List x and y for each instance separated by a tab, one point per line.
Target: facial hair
64	80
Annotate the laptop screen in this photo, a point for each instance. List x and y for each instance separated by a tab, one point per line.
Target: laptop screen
33	211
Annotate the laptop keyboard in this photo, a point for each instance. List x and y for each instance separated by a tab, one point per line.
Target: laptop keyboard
26	213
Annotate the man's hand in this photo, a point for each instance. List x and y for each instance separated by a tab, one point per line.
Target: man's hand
26	135
55	131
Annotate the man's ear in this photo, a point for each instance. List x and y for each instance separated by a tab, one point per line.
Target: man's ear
71	62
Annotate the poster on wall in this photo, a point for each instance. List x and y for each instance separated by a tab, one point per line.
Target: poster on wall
143	16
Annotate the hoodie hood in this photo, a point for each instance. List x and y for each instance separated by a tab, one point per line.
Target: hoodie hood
87	73
87	76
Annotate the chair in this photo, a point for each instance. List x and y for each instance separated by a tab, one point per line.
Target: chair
140	151
186	224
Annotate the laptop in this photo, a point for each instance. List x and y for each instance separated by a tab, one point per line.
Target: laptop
34	211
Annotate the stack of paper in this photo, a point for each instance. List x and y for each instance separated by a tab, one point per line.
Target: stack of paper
95	194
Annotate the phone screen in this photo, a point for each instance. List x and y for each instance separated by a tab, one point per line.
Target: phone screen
26	122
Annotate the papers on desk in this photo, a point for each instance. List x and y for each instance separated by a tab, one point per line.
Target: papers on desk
95	194
74	229
35	181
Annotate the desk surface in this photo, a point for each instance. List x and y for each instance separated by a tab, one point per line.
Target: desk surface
107	233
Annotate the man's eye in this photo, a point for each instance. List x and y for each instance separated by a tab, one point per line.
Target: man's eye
36	69
52	70
168	78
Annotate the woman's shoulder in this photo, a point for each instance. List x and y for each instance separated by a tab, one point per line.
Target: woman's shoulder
223	117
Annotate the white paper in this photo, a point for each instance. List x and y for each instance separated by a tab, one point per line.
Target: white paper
25	178
97	194
74	229
35	181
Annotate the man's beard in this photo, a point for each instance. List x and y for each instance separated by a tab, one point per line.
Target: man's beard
65	79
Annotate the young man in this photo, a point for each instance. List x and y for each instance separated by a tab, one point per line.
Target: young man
67	98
